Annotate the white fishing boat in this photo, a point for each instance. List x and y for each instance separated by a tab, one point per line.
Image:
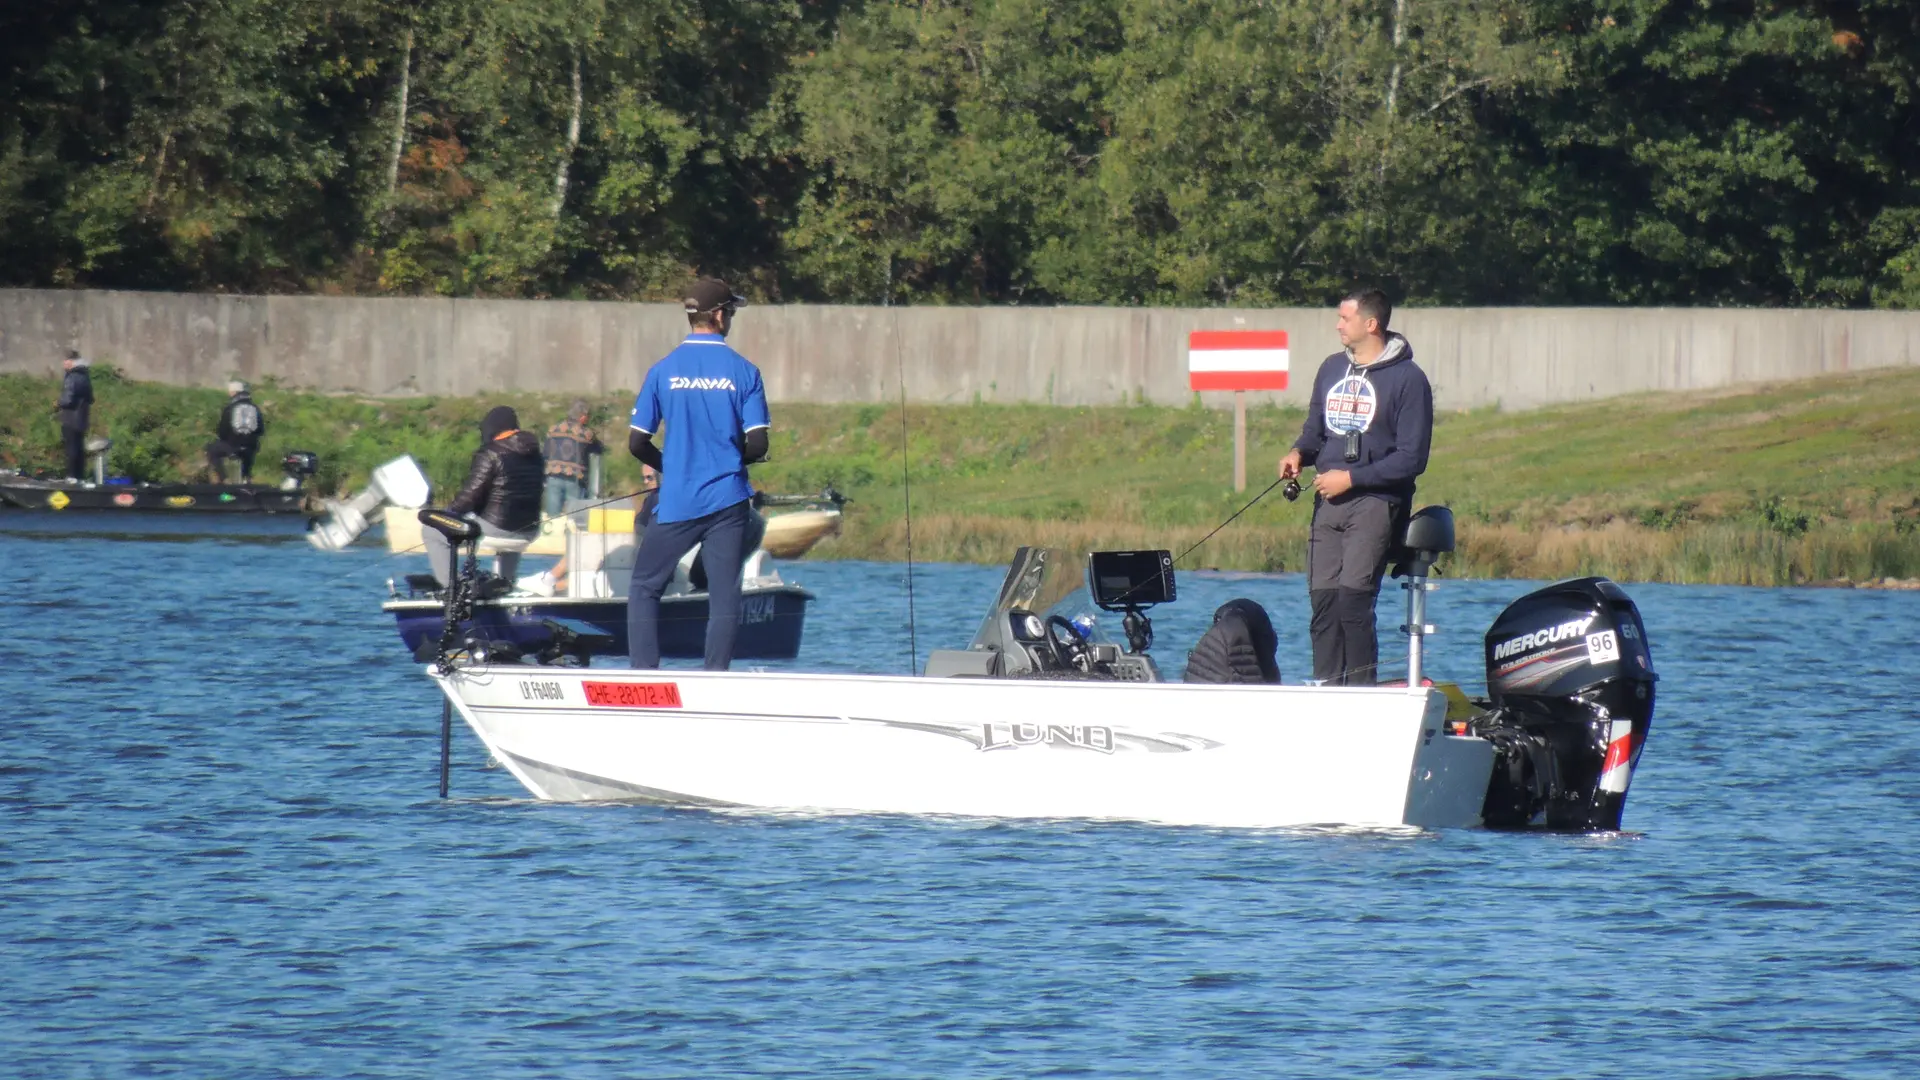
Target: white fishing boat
1036	720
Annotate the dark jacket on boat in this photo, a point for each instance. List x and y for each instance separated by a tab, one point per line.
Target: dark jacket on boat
76	399
1238	648
507	477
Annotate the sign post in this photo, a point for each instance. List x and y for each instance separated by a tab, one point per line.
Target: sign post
1237	360
1239	440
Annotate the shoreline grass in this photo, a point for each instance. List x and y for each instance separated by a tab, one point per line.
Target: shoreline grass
1790	483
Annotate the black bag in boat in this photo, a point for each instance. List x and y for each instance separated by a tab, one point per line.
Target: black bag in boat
1238	648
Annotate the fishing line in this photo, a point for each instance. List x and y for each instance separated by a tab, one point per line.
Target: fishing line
1196	546
906	491
1229	521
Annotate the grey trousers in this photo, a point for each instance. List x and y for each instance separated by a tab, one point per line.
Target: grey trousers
506	564
1346	555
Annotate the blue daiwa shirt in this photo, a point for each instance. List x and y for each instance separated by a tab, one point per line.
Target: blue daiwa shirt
709	397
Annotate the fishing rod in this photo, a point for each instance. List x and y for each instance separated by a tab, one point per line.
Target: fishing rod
1291	491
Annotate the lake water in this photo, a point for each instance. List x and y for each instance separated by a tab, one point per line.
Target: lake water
222	856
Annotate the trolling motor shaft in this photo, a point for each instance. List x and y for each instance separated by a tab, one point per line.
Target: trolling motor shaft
464	536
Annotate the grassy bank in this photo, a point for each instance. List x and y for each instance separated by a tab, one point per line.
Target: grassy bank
1788	483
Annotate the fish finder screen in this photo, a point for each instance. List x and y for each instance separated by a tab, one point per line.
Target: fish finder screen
1119	579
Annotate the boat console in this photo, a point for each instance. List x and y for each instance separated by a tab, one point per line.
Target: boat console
1032	631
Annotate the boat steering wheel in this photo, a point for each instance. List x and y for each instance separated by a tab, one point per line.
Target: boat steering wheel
1070	653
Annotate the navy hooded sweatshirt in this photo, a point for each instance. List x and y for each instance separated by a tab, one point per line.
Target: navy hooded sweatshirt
1389	402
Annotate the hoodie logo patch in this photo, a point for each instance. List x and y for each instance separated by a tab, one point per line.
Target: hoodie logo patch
1350	405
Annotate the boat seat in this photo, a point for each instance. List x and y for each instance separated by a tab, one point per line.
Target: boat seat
1428	536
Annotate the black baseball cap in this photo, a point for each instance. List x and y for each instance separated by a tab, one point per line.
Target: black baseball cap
711	294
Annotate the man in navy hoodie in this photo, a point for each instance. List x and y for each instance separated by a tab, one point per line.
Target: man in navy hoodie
1369	426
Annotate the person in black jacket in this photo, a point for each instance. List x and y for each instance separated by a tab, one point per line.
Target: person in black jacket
502	494
1369	428
75	409
241	428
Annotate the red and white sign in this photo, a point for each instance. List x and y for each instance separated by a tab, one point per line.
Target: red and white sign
1237	360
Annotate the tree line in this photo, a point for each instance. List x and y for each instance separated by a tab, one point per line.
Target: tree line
1195	152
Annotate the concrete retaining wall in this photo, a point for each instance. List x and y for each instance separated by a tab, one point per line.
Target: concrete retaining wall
1516	357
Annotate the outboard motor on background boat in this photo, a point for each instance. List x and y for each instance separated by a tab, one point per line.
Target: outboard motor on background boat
97	448
1571	679
298	465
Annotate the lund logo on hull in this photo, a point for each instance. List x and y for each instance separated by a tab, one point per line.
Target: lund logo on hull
1074	736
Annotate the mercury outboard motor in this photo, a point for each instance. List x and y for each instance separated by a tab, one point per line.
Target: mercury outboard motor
1571	679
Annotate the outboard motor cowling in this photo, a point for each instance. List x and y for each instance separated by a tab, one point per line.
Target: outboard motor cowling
1571	679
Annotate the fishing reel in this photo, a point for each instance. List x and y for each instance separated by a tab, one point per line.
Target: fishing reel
1291	489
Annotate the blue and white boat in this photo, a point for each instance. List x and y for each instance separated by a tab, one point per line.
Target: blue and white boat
594	621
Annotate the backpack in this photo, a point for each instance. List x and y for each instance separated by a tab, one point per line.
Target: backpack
246	419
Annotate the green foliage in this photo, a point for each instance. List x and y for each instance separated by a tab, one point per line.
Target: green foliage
987	151
1665	518
1777	516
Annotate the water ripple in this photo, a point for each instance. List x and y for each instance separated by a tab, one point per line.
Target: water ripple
223	857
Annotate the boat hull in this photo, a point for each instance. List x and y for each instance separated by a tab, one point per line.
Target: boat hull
771	622
1231	756
792	535
30	494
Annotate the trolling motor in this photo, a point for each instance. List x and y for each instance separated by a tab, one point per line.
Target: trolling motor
829	498
463	536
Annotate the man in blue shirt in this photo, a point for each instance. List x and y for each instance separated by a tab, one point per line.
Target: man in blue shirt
715	411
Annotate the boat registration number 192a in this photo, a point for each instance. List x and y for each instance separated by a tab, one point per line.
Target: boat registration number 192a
633	695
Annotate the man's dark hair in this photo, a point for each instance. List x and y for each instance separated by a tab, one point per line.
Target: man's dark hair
1371	304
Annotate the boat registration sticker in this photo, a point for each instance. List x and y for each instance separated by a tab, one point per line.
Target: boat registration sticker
1603	648
633	695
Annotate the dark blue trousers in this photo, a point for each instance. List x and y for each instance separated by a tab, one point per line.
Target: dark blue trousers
722	536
